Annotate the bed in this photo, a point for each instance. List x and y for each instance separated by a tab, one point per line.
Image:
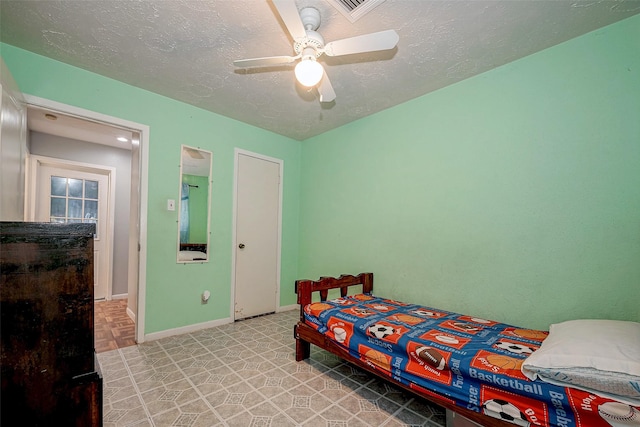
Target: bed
484	371
192	252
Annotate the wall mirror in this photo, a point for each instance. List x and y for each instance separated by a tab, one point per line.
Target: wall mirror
194	207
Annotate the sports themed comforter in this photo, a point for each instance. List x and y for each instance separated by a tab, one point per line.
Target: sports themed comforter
475	363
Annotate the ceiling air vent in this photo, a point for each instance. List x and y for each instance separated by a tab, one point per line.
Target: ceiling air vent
355	9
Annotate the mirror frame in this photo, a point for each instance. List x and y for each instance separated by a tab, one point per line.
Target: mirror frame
184	149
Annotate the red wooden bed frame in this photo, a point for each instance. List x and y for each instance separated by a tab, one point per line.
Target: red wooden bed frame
305	335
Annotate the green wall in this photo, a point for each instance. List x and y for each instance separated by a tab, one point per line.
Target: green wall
514	195
173	290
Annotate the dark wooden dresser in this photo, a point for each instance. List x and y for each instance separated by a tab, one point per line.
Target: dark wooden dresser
49	372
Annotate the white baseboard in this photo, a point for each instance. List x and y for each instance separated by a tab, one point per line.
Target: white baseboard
186	329
198	326
131	315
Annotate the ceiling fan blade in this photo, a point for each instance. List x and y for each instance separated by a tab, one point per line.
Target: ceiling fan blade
266	61
327	94
372	42
291	17
195	154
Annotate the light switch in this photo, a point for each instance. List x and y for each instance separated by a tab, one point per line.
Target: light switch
171	205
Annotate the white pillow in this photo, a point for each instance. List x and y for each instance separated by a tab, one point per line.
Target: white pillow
598	356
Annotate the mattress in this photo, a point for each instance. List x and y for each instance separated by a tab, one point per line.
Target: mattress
472	362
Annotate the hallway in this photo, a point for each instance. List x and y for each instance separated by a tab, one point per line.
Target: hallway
113	327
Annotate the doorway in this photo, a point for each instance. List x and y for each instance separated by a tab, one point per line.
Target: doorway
136	231
75	192
257	228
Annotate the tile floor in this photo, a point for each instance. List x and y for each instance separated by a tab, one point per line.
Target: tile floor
245	374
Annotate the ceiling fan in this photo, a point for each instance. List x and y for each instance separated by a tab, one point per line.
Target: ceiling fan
309	46
193	153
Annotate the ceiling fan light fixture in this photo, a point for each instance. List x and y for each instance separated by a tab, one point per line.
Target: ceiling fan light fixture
309	45
309	72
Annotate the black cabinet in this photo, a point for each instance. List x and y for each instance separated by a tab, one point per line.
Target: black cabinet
49	371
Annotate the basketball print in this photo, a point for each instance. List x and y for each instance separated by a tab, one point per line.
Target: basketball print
619	414
530	334
316	308
432	357
504	362
378	359
409	320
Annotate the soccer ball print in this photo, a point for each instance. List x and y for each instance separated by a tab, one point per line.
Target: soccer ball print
514	347
381	331
503	410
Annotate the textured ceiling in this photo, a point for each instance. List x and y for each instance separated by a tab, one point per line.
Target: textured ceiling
184	49
43	121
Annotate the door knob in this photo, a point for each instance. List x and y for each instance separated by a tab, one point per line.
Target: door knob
241	245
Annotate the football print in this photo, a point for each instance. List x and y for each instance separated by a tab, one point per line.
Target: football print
503	410
359	311
432	357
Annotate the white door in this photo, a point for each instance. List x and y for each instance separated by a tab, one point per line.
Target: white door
257	252
13	147
69	195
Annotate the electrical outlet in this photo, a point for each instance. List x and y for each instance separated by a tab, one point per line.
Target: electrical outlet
171	205
205	297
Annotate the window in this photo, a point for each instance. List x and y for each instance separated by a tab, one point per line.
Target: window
74	200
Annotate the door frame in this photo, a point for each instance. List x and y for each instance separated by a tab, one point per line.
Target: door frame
36	162
234	238
138	230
